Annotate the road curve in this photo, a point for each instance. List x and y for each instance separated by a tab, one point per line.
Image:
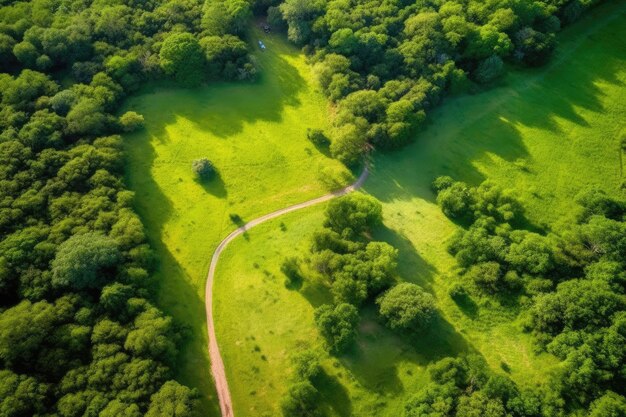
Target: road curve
217	364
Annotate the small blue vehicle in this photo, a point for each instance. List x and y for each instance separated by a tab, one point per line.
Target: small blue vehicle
262	45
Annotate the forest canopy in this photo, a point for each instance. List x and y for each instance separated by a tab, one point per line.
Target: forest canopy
80	334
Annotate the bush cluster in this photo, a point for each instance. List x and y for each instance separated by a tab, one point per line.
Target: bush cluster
572	282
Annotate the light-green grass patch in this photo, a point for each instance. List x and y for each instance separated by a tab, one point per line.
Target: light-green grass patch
255	135
545	133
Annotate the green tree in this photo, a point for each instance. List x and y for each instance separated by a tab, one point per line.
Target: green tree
225	55
306	364
301	400
489	69
299	15
337	325
353	214
21	395
609	405
455	200
85	261
203	169
182	57
407	306
174	400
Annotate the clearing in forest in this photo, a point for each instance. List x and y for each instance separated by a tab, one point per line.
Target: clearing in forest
546	133
255	135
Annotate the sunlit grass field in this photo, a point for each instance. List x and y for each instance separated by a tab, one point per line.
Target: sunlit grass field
255	134
546	133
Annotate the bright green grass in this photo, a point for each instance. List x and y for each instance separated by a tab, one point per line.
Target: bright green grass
546	133
255	134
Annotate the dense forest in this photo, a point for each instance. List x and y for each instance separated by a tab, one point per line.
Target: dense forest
79	334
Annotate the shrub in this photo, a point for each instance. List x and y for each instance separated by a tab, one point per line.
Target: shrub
489	69
441	183
317	137
203	168
131	121
486	275
301	400
291	268
457	292
307	364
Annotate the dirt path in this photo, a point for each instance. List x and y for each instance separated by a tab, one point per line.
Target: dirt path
217	364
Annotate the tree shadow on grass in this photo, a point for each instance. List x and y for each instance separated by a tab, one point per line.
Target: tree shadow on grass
411	266
193	367
315	291
467	305
214	186
378	350
174	294
224	108
485	128
334	395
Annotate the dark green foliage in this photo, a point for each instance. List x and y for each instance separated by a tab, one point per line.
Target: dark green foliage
203	169
533	47
337	325
463	387
353	214
131	121
306	365
78	337
222	17
441	183
575	278
227	57
489	69
609	405
301	400
182	57
83	261
576	305
455	200
21	395
403	56
407	306
173	400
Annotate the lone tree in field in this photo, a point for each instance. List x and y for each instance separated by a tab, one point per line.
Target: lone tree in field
203	168
407	306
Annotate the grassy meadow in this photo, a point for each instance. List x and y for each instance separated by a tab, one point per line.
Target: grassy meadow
255	134
546	133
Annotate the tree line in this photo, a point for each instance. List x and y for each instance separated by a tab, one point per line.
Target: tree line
386	64
79	333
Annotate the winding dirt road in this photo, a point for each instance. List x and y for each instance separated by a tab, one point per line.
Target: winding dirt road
217	364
